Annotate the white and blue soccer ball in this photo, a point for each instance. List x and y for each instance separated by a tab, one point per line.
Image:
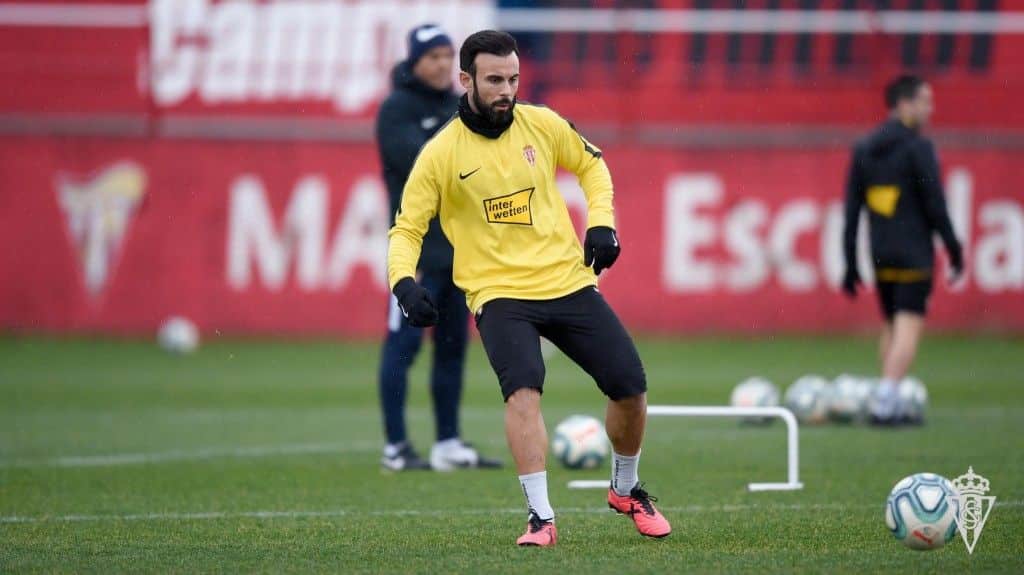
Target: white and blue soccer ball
808	398
848	402
580	442
921	512
913	399
755	392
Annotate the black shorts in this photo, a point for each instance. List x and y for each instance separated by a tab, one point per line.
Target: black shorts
911	297
580	324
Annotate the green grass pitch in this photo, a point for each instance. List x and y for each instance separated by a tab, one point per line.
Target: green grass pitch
263	456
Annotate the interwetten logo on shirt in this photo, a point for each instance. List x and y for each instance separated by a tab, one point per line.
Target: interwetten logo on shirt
511	208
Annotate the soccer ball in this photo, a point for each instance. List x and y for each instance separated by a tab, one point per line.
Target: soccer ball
808	398
178	335
580	442
920	511
849	399
913	398
755	392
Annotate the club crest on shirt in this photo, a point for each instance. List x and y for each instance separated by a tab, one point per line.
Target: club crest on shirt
530	155
511	208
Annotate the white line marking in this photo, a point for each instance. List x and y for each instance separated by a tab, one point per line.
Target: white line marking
202	516
116	459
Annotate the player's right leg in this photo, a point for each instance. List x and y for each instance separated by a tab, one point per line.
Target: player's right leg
507	328
528	440
885	407
400	348
905	306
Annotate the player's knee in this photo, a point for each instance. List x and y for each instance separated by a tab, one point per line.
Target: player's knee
624	382
524	399
524	378
637	402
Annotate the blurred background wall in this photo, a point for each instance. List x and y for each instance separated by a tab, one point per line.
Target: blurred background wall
214	159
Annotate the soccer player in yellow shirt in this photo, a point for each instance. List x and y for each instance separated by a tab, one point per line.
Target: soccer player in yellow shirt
489	175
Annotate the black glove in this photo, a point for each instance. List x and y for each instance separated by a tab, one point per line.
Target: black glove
851	281
956	260
415	303
600	248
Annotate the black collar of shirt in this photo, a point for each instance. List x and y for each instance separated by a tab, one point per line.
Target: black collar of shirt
478	123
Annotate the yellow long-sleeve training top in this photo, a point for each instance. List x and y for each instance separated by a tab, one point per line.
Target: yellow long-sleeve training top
500	208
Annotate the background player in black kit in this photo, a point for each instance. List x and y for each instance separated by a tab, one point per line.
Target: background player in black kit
895	173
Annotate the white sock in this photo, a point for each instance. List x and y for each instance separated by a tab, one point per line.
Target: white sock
624	475
392	449
535	487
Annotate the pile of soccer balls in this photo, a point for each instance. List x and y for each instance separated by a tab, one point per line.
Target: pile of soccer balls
814	399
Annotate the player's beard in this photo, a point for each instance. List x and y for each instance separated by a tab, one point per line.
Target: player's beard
493	116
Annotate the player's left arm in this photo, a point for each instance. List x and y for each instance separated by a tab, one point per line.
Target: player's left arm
929	176
601	246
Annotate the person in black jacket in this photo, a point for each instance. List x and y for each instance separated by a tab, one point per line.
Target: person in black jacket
422	101
895	174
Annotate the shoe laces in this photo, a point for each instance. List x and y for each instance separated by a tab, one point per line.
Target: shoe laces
645	499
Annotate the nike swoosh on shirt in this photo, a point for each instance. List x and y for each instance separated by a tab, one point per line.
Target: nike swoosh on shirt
464	176
428	34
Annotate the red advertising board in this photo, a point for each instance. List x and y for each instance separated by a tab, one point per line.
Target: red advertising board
116	235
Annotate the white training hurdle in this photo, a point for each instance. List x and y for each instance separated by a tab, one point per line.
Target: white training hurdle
792	482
